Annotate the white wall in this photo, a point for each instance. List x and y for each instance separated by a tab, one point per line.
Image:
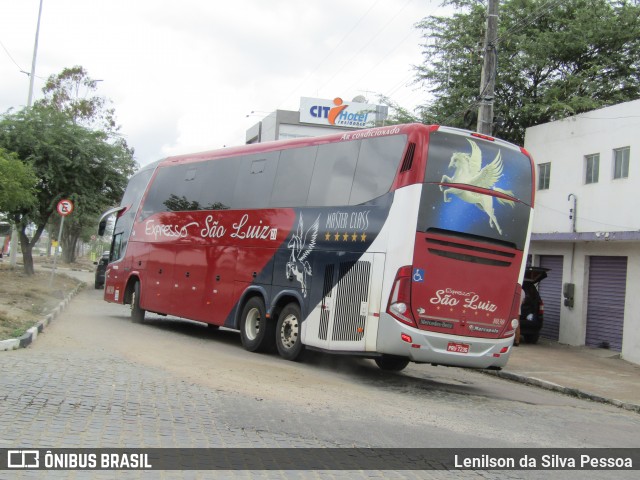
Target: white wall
609	205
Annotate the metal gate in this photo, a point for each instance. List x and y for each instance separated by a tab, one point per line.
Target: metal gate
551	293
605	304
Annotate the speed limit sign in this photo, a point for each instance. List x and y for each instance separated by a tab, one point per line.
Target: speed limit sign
65	207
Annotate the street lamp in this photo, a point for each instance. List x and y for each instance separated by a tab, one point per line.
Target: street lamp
14	231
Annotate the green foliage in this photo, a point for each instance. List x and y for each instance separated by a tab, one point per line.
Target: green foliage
555	59
17	183
71	91
71	160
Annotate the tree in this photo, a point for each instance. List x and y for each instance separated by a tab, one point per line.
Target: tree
555	59
70	161
17	183
73	93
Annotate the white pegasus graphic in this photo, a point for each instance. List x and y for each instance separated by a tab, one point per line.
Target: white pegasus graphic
301	245
469	171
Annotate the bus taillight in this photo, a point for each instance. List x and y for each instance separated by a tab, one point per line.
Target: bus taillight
400	298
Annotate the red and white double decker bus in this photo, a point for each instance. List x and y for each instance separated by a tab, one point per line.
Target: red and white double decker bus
401	243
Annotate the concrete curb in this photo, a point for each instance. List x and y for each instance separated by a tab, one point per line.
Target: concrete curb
30	336
573	392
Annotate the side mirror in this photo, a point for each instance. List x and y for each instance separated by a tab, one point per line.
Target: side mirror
102	226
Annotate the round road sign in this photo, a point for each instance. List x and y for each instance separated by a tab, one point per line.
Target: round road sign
65	207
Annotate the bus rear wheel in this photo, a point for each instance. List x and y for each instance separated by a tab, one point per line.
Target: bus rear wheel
391	363
137	313
256	331
288	332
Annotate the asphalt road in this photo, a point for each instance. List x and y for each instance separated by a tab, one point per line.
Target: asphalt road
95	379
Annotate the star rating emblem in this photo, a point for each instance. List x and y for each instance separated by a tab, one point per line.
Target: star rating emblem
345	237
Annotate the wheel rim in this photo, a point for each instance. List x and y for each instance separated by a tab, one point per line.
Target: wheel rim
252	324
289	331
133	300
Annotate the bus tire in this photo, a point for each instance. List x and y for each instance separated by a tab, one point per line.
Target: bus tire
391	363
288	330
256	331
137	313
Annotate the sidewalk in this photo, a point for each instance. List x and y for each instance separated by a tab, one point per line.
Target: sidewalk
593	373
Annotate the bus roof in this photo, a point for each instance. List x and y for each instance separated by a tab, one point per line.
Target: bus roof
298	142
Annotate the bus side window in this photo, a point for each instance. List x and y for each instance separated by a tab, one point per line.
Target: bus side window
218	183
159	191
333	174
291	186
255	180
116	247
378	162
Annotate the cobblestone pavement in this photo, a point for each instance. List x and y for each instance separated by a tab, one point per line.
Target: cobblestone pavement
67	401
83	385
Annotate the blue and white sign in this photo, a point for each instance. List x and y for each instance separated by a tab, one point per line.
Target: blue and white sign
339	113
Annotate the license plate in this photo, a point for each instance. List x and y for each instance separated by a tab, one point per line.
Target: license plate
458	347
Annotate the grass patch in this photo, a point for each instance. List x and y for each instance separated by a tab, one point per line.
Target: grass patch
25	300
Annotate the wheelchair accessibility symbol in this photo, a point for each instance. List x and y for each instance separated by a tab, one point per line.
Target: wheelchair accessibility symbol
418	275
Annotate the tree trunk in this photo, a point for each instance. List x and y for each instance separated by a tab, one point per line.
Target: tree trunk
27	252
26	246
69	243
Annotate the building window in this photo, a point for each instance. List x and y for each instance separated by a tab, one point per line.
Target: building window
621	162
592	163
544	175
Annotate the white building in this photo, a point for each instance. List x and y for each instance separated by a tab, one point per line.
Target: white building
315	118
587	227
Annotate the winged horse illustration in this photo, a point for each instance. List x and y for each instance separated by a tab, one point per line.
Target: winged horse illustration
301	245
469	171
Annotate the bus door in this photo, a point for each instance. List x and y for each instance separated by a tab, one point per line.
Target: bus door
346	317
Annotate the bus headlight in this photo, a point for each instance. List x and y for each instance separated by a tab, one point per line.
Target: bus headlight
515	323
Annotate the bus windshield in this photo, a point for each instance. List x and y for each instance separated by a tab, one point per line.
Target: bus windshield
130	201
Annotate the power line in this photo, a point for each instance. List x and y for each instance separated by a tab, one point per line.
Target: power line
12	59
367	44
542	10
381	60
563	212
329	54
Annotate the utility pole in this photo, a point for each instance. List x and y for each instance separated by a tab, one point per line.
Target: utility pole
33	62
13	258
488	79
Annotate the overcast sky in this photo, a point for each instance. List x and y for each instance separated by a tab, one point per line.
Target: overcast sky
184	75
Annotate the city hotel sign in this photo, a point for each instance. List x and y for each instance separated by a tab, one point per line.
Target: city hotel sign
339	113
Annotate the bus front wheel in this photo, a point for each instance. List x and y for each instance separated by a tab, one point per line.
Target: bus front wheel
391	363
256	331
137	313
288	332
